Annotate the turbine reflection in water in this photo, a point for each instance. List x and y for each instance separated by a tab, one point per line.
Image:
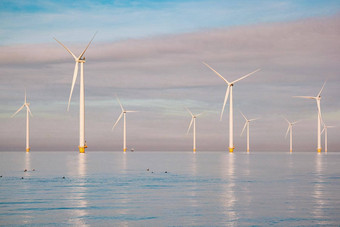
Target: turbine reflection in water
228	196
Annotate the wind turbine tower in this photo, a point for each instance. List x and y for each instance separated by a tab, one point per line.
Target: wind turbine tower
28	112
290	130
123	113
193	122
81	60
317	99
246	125
229	92
325	127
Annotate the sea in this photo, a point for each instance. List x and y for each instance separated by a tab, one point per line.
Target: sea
169	189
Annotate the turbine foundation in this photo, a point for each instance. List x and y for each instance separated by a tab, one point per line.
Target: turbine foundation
319	150
124	149
194	150
231	149
82	149
28	149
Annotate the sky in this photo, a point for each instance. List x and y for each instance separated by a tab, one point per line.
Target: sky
150	54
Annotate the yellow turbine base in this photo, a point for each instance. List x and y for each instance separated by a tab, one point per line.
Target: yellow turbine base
325	151
194	150
290	151
124	149
319	150
82	149
231	149
28	149
247	151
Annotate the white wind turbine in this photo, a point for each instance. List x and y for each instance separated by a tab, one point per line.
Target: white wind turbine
247	125
230	92
193	122
290	129
81	60
28	112
325	127
317	99
120	116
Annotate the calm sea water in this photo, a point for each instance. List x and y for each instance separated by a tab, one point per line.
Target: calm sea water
180	189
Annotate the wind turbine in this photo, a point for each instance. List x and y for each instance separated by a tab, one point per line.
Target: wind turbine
290	129
26	104
317	99
120	116
247	125
193	121
81	60
325	127
230	92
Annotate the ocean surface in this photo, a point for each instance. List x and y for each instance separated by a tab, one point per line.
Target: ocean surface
169	189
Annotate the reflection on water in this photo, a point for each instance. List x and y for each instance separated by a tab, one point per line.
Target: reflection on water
318	194
78	195
228	196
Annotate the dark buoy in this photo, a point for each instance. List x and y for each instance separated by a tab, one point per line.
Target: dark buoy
151	172
166	172
63	177
33	169
22	177
25	170
0	176
147	169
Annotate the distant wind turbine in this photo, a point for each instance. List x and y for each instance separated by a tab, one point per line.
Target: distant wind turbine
81	60
247	125
193	122
290	129
120	116
325	127
28	112
230	91
317	99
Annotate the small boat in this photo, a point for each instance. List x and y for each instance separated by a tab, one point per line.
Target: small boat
132	150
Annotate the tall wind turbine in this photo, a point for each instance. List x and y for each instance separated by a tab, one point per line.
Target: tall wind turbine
193	121
317	99
230	92
290	129
120	116
325	127
247	125
81	60
28	112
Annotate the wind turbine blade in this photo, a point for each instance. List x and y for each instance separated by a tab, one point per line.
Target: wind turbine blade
120	116
189	111
81	55
225	101
245	76
319	111
244	127
253	119
323	130
288	130
18	110
216	72
304	97
29	110
25	97
244	116
322	88
120	104
200	114
286	120
192	119
295	122
131	111
75	74
75	58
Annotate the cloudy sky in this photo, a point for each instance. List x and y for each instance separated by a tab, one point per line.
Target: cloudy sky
150	54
